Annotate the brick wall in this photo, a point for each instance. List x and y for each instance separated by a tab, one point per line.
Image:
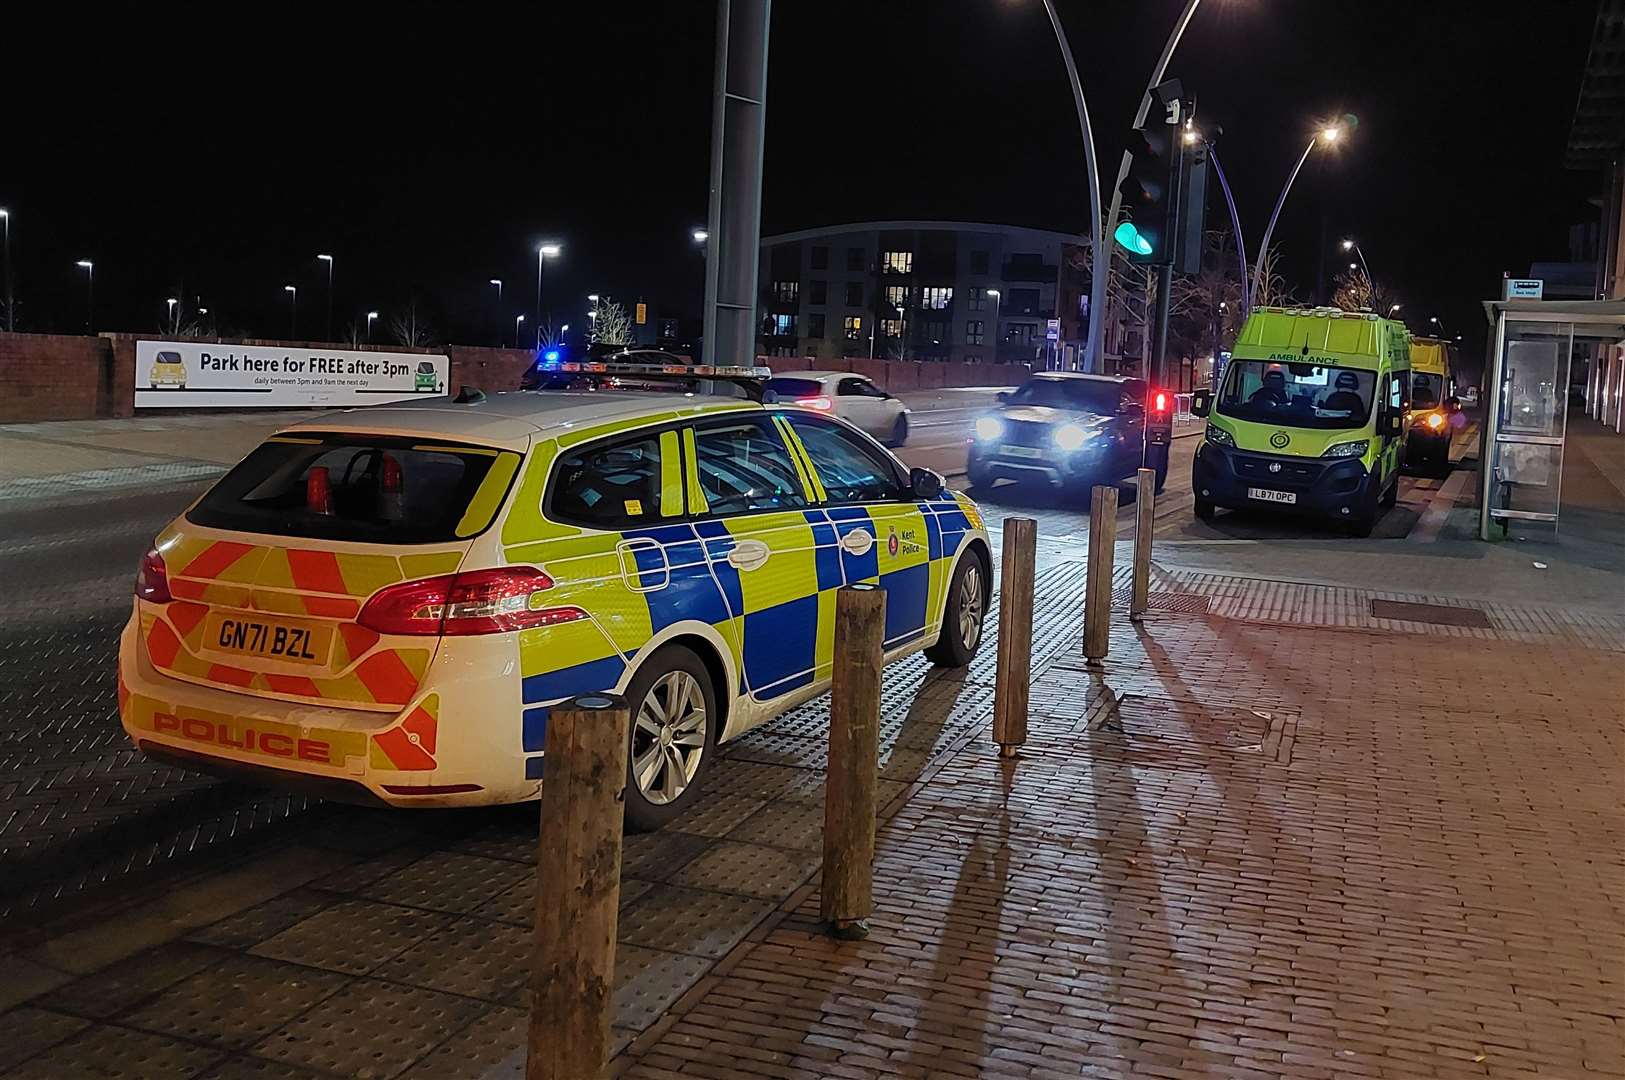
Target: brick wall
54	377
63	377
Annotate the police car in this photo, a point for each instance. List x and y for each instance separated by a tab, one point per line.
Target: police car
382	605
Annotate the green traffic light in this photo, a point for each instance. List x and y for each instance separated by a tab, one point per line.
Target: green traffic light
1127	235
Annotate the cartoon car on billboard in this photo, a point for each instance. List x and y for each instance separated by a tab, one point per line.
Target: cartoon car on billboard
168	370
427	378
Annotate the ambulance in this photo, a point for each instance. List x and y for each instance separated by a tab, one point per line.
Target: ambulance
383	605
1435	410
1310	419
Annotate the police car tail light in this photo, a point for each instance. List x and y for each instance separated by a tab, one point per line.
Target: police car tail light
318	491
492	601
152	579
821	403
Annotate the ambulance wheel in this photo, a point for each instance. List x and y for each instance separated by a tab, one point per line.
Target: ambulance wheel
962	615
674	736
1391	496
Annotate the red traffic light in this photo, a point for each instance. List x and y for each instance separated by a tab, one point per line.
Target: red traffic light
1159	401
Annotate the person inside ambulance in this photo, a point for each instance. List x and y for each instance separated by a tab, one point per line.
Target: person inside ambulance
1273	392
1346	398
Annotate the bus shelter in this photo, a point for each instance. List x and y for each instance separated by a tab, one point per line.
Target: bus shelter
1527	386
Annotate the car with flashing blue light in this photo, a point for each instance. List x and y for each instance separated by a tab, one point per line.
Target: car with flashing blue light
1063	429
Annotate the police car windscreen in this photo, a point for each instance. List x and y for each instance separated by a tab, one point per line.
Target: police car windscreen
358	488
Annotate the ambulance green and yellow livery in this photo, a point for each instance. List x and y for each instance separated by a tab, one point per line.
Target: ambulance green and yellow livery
383	605
1435	411
1310	417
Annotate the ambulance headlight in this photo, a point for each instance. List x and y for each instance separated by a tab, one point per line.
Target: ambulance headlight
1357	448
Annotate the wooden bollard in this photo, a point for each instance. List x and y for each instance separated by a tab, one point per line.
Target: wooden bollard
578	888
1145	520
1097	593
1013	677
847	896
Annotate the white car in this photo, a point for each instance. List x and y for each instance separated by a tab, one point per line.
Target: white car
853	398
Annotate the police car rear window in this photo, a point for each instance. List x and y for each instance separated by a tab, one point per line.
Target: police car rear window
361	488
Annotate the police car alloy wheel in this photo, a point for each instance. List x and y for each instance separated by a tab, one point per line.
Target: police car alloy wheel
962	615
673	737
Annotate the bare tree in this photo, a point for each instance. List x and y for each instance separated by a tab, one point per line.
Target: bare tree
408	328
550	337
1272	287
613	326
1356	292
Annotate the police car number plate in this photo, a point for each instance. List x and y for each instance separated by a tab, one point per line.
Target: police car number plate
273	639
1022	452
1266	495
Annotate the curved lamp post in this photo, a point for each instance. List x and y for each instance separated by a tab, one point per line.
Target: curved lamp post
1325	135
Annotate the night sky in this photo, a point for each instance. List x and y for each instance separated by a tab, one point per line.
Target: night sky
430	147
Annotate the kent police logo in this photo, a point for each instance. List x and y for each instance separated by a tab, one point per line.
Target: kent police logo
1280	439
891	542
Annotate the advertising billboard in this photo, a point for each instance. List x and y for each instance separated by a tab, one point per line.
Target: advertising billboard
194	375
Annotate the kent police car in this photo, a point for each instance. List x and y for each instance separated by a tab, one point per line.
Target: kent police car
382	605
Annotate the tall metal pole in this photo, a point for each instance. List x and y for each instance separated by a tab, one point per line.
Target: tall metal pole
328	259
1097	265
541	264
1097	286
11	301
1235	227
1269	230
734	211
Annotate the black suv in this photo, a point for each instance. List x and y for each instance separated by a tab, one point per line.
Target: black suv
1065	429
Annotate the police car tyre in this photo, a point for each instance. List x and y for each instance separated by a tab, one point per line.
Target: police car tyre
673	737
1204	508
899	433
962	614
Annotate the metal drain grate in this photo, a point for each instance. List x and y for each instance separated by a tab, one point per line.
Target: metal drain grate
1183	603
1406	611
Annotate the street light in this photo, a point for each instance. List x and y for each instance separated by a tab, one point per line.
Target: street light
1393	310
996	295
1327	135
516	324
171	314
546	251
90	294
293	310
1434	319
700	236
498	283
328	259
1354	246
11	304
371	315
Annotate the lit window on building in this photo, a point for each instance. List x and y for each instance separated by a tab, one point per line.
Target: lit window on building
897	295
897	262
854	327
892	328
975	332
936	297
785	292
783	325
976	298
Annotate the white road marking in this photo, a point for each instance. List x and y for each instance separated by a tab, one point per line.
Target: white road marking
1438	510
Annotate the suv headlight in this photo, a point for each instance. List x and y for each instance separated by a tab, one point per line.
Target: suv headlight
1357	448
1219	437
989	428
1070	436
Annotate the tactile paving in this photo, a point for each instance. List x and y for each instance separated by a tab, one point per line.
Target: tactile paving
676	919
113	1053
777	748
491	1048
655	856
476	958
244	1067
353	936
265	920
648	980
748	869
785	824
30	1030
235	1002
447	881
751	779
118	987
370	1028
716	813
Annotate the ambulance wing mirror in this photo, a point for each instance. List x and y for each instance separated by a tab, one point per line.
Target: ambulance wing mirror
924	483
1201	402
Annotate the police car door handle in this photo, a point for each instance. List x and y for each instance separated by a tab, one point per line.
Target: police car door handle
748	555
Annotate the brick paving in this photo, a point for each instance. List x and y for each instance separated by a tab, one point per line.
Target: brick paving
1428	884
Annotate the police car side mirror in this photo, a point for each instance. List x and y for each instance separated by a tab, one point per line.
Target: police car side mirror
1201	402
924	484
